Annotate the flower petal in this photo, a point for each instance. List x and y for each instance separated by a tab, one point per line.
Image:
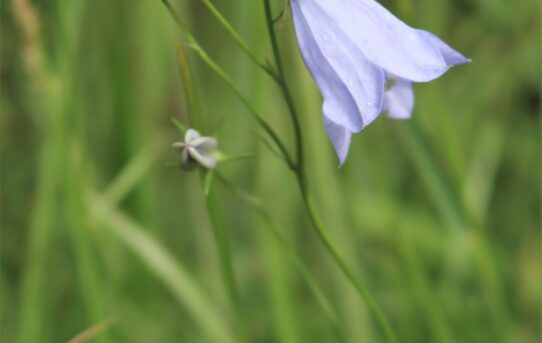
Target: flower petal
451	57
340	137
190	135
385	40
187	163
339	106
399	100
364	80
206	143
178	146
202	158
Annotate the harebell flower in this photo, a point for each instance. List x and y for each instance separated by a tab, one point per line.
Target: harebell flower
364	61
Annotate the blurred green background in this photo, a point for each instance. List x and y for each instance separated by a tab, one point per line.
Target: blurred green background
439	215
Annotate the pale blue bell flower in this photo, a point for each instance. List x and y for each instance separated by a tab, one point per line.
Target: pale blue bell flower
196	150
364	61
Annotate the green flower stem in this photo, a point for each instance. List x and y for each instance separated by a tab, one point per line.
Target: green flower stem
220	233
298	167
220	72
278	76
226	25
301	179
343	264
283	241
284	88
212	201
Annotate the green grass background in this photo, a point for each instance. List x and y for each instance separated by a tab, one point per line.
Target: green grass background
439	215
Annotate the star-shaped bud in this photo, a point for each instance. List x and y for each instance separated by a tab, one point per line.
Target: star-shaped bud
196	150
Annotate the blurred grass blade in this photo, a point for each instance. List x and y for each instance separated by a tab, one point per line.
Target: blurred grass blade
271	148
428	302
455	215
182	129
192	103
447	202
214	206
93	331
134	171
270	223
166	269
208	178
483	167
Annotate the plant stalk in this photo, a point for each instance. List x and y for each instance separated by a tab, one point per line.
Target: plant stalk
308	202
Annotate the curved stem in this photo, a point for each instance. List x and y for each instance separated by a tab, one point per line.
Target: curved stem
283	241
222	74
342	263
284	87
220	234
212	202
226	25
308	202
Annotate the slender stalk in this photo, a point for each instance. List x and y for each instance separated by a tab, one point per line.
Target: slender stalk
212	200
296	167
278	76
220	72
343	264
308	202
281	79
214	209
33	304
272	227
226	25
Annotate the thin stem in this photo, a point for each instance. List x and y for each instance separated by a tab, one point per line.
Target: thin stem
283	241
278	77
212	202
343	264
203	55
220	233
226	25
284	87
301	179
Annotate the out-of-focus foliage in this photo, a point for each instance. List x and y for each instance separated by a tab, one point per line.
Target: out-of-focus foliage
440	215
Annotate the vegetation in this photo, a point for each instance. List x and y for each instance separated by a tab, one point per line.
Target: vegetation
105	238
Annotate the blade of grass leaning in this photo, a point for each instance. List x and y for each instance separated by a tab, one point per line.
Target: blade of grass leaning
459	221
32	311
53	157
90	333
134	170
428	302
76	170
163	265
